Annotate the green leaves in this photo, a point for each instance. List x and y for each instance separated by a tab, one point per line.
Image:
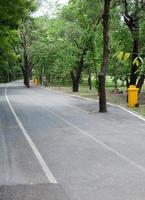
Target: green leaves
138	61
12	14
122	55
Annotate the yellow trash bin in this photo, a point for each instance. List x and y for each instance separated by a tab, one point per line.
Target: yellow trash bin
132	96
35	81
38	82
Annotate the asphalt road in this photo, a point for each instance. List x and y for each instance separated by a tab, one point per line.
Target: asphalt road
57	147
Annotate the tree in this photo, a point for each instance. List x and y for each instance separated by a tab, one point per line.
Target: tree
26	65
50	53
12	13
133	13
83	20
120	43
132	22
105	61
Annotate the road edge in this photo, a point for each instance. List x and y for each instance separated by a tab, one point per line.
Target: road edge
89	99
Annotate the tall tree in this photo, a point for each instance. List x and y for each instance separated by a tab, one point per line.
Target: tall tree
25	43
12	14
105	61
133	15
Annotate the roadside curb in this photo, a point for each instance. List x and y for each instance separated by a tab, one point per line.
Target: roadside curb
88	99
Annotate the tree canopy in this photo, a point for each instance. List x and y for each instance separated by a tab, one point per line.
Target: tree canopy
12	14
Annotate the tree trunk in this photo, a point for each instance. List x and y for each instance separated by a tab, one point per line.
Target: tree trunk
26	79
116	78
76	78
75	86
140	82
127	81
102	94
115	84
75	82
105	62
26	69
90	80
132	21
134	75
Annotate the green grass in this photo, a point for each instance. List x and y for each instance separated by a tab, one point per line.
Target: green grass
83	91
119	99
140	110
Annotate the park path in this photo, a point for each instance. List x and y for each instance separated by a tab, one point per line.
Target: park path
56	147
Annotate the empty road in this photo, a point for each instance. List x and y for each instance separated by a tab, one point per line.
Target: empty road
57	147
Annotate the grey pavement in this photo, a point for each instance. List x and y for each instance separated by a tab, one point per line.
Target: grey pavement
92	156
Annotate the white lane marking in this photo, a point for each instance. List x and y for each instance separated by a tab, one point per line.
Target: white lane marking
132	112
39	157
125	158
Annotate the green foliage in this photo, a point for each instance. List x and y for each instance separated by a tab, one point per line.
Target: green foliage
55	45
12	13
62	40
